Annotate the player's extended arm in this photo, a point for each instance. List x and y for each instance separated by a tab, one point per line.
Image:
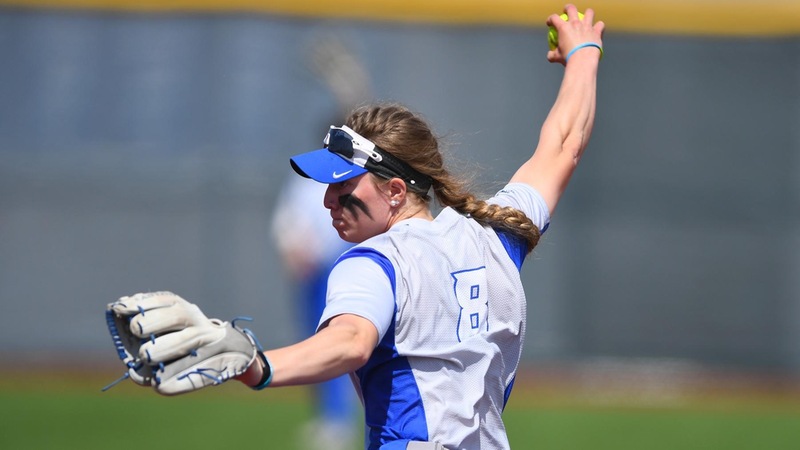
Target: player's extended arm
343	346
566	130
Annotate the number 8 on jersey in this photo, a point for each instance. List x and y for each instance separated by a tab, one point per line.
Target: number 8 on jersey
469	287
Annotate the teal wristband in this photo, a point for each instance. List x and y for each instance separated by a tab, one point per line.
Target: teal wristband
584	45
266	373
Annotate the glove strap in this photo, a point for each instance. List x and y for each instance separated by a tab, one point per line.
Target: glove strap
266	372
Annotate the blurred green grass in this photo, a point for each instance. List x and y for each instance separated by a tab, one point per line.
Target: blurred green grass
68	411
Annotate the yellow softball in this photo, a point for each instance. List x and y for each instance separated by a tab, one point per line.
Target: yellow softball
552	34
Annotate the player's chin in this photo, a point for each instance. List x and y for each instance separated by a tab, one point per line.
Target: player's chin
341	227
347	237
349	234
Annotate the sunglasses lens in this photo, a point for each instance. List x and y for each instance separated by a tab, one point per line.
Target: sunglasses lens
340	142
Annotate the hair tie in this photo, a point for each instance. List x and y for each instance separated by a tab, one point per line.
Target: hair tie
584	45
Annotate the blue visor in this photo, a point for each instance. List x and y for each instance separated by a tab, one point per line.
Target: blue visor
325	166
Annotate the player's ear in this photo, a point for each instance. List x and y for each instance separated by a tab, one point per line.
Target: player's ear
397	190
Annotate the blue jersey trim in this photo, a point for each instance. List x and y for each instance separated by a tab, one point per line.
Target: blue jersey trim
374	255
393	408
508	392
515	246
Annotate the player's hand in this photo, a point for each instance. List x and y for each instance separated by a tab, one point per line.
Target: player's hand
573	32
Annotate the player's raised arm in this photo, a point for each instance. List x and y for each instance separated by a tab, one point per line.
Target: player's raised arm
566	130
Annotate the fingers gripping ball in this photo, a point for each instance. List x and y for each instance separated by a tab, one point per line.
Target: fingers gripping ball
552	34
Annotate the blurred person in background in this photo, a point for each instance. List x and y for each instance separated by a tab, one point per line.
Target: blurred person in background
309	245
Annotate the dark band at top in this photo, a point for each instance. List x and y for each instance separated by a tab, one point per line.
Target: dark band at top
393	167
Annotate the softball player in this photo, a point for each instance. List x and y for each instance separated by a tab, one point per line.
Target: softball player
428	314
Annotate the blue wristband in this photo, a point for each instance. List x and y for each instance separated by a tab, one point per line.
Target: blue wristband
584	45
266	374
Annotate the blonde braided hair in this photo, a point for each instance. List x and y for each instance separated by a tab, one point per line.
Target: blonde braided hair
397	130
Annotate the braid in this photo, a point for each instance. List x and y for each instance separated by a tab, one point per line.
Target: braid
454	193
402	133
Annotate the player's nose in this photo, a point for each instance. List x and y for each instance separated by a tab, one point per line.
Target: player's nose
330	200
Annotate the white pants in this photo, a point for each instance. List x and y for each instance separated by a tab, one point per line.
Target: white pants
424	446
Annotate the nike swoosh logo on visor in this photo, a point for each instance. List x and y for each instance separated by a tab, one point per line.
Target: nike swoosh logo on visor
336	176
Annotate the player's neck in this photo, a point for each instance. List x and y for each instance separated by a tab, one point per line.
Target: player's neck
411	212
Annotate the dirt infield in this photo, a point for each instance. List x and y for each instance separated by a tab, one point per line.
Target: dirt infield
656	383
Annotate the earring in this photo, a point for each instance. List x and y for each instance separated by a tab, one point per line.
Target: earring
394	203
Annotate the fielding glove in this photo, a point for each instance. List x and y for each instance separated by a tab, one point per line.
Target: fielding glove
168	343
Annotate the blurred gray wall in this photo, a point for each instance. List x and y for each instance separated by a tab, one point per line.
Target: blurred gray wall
146	152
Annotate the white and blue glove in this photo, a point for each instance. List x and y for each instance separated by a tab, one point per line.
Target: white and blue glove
168	343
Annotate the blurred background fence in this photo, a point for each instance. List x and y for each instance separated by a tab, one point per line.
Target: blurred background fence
142	147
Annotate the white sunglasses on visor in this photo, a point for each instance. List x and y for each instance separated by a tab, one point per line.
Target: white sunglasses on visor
347	154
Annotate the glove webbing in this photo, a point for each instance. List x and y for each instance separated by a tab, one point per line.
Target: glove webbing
112	328
121	351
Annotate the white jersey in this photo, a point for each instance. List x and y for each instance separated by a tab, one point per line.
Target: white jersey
451	332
